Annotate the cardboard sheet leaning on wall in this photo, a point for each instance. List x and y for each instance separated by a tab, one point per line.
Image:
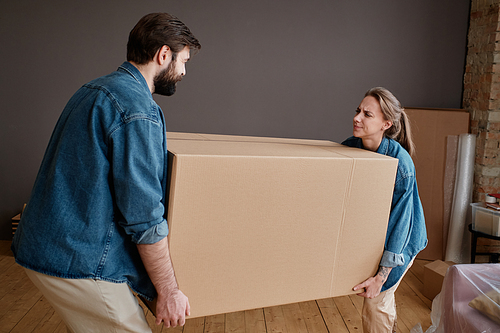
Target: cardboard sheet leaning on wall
431	128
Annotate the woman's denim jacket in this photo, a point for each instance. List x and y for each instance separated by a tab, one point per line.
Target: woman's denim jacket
101	186
406	233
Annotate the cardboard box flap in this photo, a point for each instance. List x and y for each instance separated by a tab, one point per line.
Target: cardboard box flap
184	136
249	149
240	138
356	153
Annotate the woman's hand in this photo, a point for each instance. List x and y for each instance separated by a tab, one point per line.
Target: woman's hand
374	284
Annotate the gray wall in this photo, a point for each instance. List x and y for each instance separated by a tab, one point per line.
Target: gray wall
277	68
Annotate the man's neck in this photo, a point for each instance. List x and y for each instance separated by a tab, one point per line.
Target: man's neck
149	73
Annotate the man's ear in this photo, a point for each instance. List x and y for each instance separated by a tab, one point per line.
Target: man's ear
163	55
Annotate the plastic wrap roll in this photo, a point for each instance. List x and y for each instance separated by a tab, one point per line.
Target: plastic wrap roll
450	172
458	238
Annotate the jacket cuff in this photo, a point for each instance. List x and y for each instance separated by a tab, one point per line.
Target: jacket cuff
391	259
154	234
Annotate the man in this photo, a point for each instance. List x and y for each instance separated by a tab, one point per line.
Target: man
95	220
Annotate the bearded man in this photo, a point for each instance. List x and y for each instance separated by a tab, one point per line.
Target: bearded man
95	225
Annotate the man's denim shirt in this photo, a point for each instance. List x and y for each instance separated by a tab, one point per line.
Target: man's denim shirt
406	233
101	186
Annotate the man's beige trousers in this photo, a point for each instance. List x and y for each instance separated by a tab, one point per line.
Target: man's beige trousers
87	305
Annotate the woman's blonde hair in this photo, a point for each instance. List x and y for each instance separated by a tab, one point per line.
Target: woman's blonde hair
393	111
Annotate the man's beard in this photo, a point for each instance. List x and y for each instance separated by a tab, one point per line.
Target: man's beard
166	81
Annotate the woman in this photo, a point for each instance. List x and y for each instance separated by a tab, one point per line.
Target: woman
381	125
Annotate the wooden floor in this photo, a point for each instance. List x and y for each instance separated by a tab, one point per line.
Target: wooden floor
23	309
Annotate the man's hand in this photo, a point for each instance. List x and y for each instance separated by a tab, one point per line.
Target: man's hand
172	309
374	284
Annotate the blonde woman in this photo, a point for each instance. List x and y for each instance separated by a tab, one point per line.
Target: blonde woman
381	125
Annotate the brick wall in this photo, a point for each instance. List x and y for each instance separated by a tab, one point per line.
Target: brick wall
482	93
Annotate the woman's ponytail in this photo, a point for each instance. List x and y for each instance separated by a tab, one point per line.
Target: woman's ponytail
405	138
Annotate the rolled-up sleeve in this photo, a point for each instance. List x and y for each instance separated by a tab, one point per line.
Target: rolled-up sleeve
400	223
138	158
154	234
391	259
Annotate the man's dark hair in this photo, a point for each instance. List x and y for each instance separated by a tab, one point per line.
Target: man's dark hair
155	30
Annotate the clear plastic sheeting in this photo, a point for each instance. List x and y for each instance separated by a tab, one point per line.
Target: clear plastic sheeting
468	302
458	244
450	172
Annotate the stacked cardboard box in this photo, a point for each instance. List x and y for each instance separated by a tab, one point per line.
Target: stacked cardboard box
434	273
257	222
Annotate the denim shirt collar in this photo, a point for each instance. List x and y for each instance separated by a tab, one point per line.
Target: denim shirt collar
383	148
136	74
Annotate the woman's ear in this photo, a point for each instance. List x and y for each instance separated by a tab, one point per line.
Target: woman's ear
387	125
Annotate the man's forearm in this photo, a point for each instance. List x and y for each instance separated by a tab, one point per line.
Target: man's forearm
156	259
172	306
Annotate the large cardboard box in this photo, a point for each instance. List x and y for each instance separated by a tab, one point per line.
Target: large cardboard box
431	127
434	273
257	222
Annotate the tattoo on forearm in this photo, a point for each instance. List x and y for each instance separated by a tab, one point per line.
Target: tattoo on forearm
384	272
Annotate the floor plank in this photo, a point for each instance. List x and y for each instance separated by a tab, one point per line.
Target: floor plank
195	325
331	315
294	320
177	329
214	324
275	320
418	268
61	328
10	277
358	302
254	321
51	323
24	309
19	309
36	317
351	316
312	317
235	322
152	322
16	292
411	308
6	261
418	287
